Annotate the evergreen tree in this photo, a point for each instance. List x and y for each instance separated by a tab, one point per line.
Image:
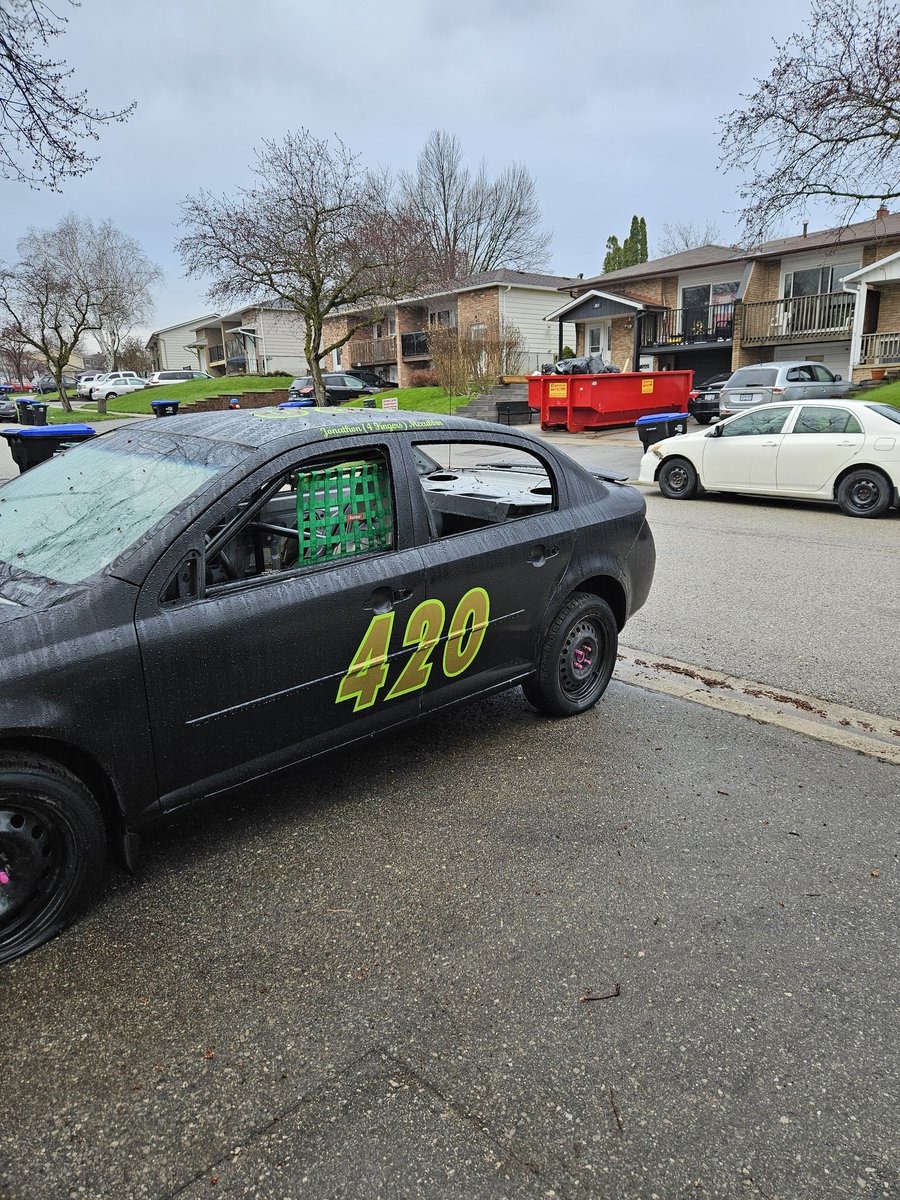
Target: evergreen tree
631	252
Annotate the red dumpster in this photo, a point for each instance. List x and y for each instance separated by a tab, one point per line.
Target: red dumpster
578	402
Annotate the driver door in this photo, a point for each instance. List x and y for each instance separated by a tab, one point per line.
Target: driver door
249	626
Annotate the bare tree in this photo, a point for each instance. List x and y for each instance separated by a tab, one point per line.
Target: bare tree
58	290
123	277
17	357
825	124
472	223
134	356
42	123
471	360
315	233
684	235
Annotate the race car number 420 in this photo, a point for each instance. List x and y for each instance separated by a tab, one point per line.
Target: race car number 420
368	671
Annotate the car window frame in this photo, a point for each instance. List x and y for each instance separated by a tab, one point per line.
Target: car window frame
756	412
425	535
191	543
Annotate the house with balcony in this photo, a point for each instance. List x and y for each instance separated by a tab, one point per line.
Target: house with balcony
253	340
395	340
827	297
174	348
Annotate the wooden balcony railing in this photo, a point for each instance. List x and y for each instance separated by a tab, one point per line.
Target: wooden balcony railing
684	326
373	350
879	348
826	316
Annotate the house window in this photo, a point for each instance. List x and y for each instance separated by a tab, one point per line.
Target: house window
391	326
708	310
441	318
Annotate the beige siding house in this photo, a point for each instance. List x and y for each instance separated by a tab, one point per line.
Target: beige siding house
255	340
174	348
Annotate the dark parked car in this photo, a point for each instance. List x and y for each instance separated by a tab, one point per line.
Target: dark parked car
47	383
338	388
188	605
8	410
703	400
372	378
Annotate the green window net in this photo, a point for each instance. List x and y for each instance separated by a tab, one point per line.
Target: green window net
344	509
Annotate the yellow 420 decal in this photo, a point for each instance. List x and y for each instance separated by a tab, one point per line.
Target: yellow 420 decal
368	672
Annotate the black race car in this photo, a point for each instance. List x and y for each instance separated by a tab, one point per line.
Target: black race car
189	604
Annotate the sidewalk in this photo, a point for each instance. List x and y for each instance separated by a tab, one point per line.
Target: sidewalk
9	470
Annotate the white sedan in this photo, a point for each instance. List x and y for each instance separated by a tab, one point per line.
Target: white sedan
839	450
109	389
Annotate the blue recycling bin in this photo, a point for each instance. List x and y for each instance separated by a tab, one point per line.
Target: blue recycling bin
656	426
31	446
298	404
164	408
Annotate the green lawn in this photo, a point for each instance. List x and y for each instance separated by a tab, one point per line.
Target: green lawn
889	394
422	399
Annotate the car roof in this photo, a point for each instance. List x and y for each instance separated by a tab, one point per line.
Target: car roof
302	425
825	402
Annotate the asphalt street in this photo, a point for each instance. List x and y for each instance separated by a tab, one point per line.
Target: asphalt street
647	953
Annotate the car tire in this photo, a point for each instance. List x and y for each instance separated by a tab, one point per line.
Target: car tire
678	479
577	658
53	850
703	418
112	395
865	492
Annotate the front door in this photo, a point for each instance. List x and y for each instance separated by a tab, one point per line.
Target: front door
251	639
599	340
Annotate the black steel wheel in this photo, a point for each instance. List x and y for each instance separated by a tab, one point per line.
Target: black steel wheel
678	479
864	493
577	658
52	851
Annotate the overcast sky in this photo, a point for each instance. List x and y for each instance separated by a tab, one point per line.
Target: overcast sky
613	107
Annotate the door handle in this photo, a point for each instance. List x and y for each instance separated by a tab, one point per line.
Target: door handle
540	554
770	443
846	443
383	599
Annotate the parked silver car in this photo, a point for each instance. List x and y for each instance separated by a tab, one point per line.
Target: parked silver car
765	382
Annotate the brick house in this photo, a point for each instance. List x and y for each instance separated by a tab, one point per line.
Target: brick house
395	341
831	297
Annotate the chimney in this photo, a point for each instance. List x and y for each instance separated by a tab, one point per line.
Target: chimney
882	213
805	227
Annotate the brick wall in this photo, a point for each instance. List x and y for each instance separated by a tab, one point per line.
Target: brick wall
411	318
246	400
876	250
622	329
481	307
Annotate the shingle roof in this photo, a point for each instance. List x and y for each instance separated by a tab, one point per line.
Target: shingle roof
876	229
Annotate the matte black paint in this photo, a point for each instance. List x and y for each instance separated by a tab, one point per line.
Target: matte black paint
180	701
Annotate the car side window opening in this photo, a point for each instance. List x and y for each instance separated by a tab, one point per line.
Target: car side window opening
826	420
329	509
767	421
473	485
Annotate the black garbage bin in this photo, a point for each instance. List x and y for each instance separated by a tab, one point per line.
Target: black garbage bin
23	408
164	408
656	426
38	412
30	447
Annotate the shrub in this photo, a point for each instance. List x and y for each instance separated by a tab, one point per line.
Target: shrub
422	378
